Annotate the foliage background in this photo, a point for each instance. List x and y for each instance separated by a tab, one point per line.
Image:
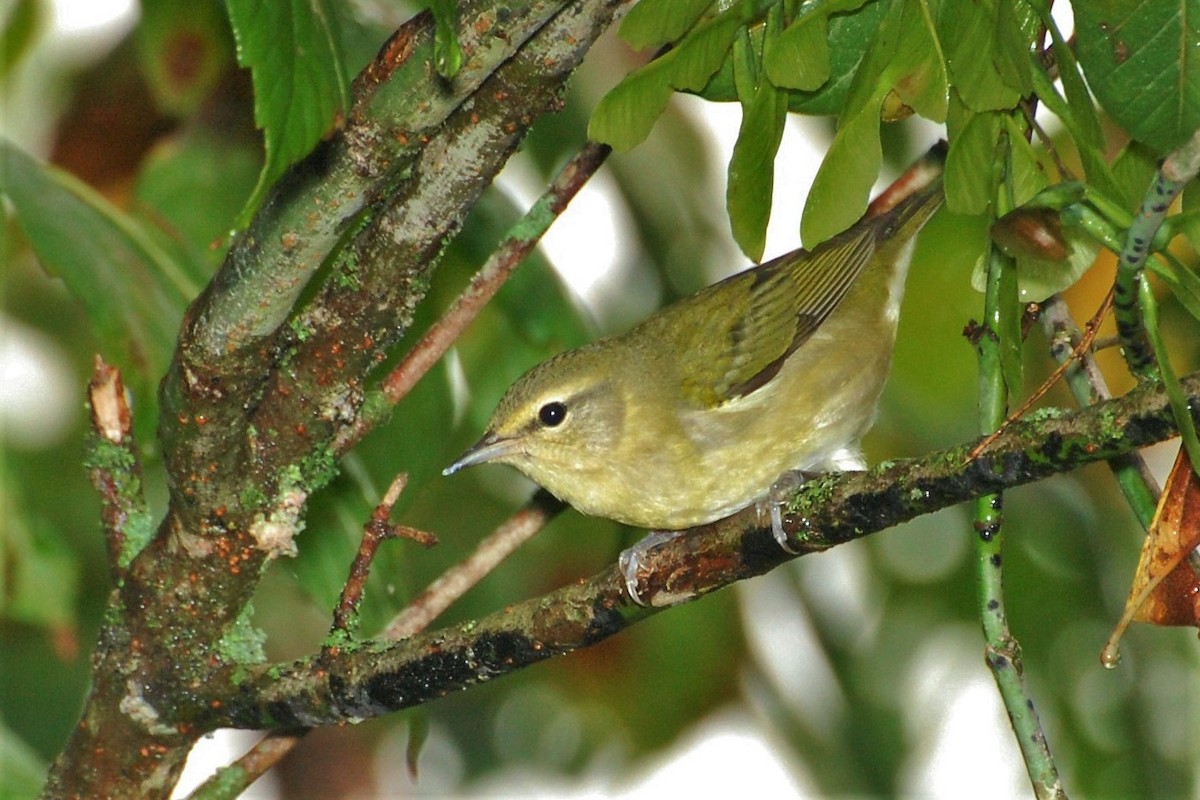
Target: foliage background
850	661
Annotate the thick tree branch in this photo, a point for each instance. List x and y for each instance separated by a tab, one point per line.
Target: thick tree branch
383	677
250	407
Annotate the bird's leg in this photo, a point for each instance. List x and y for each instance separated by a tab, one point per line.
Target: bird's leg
631	558
772	504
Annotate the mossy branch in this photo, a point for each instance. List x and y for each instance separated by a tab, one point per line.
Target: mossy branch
380	677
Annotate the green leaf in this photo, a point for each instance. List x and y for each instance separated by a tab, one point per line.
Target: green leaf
23	771
969	187
292	49
839	191
1143	65
192	185
34	558
798	58
905	62
132	290
653	23
1183	282
851	35
184	48
1133	170
1190	205
1175	393
624	117
752	168
22	24
987	55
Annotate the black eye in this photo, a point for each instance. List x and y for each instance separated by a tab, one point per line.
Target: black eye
552	414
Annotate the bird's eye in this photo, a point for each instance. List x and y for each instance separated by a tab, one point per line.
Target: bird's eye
552	414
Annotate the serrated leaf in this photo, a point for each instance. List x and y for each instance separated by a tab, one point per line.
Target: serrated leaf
293	52
1143	65
133	292
986	53
653	23
183	48
752	168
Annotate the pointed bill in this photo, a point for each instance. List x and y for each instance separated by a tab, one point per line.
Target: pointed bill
489	448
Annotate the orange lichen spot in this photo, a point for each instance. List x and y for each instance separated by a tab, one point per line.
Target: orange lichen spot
201	419
289	240
301	429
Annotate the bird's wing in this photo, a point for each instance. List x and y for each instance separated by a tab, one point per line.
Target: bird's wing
746	326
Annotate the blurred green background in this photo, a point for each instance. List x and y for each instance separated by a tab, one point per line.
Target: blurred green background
857	672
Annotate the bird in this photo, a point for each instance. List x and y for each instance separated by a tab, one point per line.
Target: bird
702	408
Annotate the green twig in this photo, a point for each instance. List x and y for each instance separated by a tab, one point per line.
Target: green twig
1176	171
1088	386
1002	651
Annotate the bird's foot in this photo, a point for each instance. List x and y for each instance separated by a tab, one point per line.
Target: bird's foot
772	505
632	560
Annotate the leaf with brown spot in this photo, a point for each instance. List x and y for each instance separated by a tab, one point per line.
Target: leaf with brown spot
1166	589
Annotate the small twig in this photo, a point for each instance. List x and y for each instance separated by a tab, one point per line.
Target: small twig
521	239
238	776
1176	171
115	470
454	582
1077	352
1088	385
375	530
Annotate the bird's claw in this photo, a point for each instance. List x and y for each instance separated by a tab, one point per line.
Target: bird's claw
631	560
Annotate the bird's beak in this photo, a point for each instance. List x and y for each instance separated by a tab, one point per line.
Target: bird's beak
489	448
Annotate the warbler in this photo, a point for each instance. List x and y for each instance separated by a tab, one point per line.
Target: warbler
697	411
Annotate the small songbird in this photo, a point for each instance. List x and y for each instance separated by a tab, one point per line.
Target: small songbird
696	412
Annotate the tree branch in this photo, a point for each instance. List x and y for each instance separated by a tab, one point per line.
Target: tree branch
824	512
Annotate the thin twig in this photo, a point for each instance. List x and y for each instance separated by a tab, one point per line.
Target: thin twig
1176	172
1002	650
455	582
1088	385
375	531
1082	347
235	778
115	470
